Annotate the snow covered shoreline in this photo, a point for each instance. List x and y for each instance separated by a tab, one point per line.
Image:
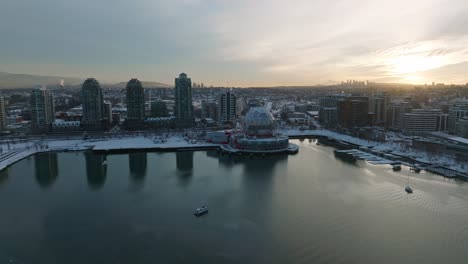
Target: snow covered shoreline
15	151
440	164
12	153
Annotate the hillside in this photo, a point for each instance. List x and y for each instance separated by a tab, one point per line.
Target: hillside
15	81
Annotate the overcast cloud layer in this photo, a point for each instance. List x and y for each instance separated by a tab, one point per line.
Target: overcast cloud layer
238	42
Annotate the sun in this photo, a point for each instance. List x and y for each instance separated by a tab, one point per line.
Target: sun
410	64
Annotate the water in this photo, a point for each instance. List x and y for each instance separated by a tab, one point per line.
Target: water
308	208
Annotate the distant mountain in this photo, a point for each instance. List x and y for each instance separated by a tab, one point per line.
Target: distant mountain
122	85
13	80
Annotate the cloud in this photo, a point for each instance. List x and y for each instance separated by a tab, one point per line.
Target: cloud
262	42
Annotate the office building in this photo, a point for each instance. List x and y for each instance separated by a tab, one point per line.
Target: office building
425	120
42	110
93	105
227	108
353	112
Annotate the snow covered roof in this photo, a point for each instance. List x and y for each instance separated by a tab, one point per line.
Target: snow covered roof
450	137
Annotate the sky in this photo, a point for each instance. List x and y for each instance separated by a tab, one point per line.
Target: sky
238	42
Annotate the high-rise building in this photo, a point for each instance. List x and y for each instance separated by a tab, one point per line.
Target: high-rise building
397	113
159	109
378	106
135	103
328	109
425	120
353	112
227	108
42	110
209	109
3	115
93	105
107	113
183	109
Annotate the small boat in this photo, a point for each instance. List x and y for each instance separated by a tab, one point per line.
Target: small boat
415	169
104	163
201	211
408	189
396	167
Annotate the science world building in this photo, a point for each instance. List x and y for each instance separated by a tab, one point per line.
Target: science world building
258	135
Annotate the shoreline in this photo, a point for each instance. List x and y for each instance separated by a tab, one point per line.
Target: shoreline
373	151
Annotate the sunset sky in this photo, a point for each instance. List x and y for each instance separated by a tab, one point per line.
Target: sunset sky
238	42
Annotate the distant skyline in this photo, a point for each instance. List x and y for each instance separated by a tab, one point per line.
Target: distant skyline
238	43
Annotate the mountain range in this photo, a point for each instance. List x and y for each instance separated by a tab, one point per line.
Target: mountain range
15	81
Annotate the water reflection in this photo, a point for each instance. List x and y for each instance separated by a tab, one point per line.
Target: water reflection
184	164
4	175
138	164
346	158
95	170
225	160
262	165
46	169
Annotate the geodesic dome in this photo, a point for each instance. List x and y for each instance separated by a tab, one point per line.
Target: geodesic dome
258	120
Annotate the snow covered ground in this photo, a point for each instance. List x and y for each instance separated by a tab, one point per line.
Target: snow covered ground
13	152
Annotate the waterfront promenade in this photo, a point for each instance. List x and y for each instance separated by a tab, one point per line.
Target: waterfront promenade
12	151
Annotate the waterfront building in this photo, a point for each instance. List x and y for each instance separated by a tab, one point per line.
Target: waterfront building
42	110
159	109
93	105
227	109
183	109
135	97
353	112
462	127
397	113
328	110
425	120
378	106
209	109
328	116
456	112
3	114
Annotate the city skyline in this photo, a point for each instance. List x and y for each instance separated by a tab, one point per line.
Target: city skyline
241	43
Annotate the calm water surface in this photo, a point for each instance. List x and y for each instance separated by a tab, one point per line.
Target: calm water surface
308	208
